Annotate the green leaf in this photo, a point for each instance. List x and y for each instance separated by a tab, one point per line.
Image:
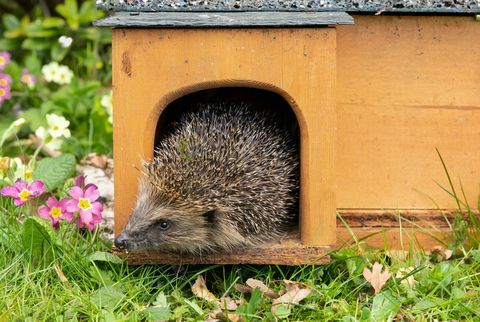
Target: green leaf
69	10
10	21
104	257
38	237
52	22
427	304
34	118
255	301
194	306
282	311
54	171
161	309
9	44
107	297
101	277
33	64
36	44
57	52
36	30
385	305
13	33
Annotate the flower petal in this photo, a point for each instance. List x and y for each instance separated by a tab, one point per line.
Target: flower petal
52	202
86	215
80	181
21	184
18	202
37	188
44	212
68	216
92	193
97	208
10	191
75	192
72	205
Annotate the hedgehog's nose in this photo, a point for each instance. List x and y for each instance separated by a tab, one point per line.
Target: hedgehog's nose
121	241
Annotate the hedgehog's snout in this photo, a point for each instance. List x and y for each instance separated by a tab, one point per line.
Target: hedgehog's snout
121	242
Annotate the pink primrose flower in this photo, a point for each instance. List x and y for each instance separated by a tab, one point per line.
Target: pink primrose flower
5	80
5	94
84	201
21	191
28	78
55	210
5	58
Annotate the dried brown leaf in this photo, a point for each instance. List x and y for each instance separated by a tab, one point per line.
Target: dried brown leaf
229	317
227	303
295	293
199	289
448	253
242	288
441	253
253	283
376	277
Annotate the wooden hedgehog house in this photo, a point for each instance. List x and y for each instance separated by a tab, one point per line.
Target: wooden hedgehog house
375	89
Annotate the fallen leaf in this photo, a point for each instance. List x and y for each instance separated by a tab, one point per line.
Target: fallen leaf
212	316
242	288
376	277
199	289
229	317
448	253
441	253
296	292
253	283
227	303
402	272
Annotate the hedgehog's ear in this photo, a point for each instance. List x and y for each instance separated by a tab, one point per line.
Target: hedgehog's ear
210	216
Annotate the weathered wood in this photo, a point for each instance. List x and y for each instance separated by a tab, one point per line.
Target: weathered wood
417	229
395	238
402	91
287	251
153	67
223	19
374	218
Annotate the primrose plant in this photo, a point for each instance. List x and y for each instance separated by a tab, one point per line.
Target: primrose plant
81	206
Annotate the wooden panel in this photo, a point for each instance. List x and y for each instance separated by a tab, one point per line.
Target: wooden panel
152	67
405	85
287	251
223	19
395	238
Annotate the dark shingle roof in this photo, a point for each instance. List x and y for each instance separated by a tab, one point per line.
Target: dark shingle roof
421	6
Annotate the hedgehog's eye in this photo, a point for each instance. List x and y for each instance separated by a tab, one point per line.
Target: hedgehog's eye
163	224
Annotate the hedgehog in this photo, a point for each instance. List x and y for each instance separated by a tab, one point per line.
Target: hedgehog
224	177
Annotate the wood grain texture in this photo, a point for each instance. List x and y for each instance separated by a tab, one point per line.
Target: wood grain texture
402	229
153	67
287	251
223	19
405	86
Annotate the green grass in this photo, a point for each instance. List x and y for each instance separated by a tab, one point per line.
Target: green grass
66	276
67	284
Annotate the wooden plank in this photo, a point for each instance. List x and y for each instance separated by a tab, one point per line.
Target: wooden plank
395	218
287	251
394	238
223	19
405	86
